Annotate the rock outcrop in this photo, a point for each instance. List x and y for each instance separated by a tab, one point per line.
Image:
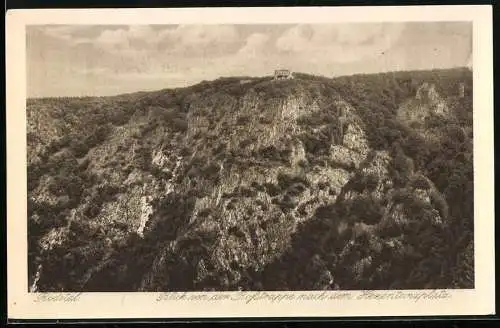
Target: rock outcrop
233	185
427	102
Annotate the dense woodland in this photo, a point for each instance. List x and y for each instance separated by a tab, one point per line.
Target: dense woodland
231	208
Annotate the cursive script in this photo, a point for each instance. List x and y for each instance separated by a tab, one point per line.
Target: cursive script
273	297
58	297
416	296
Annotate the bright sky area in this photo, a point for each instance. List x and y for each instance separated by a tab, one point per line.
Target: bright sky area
99	60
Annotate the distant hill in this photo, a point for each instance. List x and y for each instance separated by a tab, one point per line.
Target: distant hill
253	184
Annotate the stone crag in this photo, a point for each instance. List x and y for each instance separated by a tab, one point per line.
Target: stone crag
232	185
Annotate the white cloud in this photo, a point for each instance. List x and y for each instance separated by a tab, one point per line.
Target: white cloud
121	41
65	33
340	43
115	42
99	71
254	44
352	34
112	37
143	32
182	38
294	39
61	31
203	35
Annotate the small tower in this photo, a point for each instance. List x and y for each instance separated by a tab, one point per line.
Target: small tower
342	120
461	90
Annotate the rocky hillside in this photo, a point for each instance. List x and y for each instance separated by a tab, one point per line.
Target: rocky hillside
252	184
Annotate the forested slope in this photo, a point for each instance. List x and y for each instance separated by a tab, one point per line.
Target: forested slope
245	183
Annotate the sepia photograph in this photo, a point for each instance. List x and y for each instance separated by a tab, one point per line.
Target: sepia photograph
239	157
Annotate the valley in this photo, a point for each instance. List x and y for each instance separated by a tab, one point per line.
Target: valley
243	183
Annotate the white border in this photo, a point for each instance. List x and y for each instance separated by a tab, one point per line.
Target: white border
22	305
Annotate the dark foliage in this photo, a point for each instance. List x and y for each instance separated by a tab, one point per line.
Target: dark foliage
99	151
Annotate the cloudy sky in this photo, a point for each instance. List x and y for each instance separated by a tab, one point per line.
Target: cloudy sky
76	60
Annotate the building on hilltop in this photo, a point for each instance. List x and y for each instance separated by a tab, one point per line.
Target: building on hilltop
283	74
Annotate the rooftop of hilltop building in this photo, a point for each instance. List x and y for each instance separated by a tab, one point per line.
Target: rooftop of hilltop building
282	74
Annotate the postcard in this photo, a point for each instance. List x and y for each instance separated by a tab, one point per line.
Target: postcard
250	162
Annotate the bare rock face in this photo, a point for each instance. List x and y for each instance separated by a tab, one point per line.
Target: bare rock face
346	157
232	185
329	180
55	238
355	139
159	159
252	213
146	212
427	91
378	165
298	154
427	102
354	148
45	195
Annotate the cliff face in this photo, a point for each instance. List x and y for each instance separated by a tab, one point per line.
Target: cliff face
227	186
260	196
427	102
